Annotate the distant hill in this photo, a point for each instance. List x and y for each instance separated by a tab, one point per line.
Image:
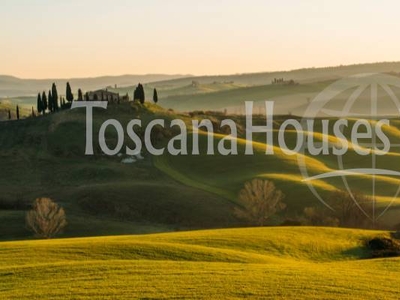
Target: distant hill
291	99
301	75
187	84
12	86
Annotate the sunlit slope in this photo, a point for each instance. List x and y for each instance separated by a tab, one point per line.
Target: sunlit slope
225	175
10	104
255	263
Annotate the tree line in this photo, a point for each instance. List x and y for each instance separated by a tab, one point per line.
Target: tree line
51	102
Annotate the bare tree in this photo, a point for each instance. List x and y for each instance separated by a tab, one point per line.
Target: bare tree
353	209
260	200
46	218
317	216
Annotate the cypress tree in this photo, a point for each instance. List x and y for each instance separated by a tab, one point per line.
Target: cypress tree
39	105
17	112
50	102
155	96
139	93
80	96
9	114
44	102
33	113
54	97
69	95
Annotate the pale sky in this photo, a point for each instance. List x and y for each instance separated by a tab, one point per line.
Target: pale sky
80	38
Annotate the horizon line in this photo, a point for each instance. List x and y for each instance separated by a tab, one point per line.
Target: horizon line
182	75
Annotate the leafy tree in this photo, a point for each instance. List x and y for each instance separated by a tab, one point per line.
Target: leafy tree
86	96
44	103
39	104
54	94
155	96
50	102
69	95
46	219
80	96
17	112
260	200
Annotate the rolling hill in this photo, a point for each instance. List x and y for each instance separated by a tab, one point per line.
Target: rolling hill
11	86
44	157
302	76
278	263
289	99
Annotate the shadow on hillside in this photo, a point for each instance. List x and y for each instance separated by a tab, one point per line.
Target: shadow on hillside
359	252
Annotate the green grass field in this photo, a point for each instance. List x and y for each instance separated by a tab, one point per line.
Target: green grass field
256	263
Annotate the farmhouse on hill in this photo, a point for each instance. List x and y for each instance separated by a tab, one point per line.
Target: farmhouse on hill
105	95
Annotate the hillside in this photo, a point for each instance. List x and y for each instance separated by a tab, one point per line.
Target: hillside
289	99
186	90
282	263
45	157
25	107
12	86
178	85
306	75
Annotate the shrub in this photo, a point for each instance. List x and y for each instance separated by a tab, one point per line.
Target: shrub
18	204
46	219
345	212
260	200
319	217
383	247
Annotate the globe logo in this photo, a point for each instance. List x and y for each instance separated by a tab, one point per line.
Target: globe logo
365	98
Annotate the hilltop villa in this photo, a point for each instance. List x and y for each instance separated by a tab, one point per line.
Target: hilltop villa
104	95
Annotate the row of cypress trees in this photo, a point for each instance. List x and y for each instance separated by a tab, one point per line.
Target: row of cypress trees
52	102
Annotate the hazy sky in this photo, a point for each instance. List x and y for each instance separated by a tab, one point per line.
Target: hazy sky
76	38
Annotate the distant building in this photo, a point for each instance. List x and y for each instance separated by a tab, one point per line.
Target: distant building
104	95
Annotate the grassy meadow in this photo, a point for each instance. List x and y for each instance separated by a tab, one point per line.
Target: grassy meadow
262	263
